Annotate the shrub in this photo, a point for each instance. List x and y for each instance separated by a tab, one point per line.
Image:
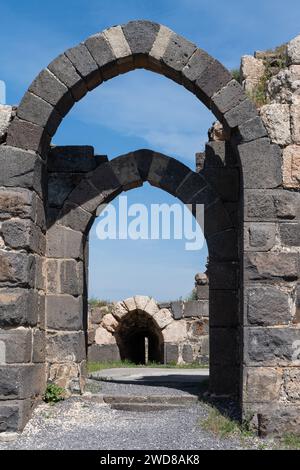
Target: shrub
53	393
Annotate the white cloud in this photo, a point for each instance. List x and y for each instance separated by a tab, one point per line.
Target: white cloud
145	105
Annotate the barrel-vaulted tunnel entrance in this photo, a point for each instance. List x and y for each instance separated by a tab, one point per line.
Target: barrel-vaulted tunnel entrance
241	271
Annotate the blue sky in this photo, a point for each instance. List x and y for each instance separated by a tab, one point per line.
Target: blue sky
139	109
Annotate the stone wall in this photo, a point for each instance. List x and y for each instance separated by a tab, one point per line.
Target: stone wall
183	326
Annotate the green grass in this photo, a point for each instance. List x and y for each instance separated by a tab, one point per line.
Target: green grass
290	441
94	366
224	427
98	302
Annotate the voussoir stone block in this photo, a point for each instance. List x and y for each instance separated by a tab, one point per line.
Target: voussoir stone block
197	65
228	97
130	304
65	71
141	301
28	136
157	169
63	242
174	175
52	90
75	217
191	185
119	310
101	51
64	312
161	43
140	35
240	114
38	111
18	307
163	318
126	170
251	130
211	80
178	52
117	41
268	305
85	65
151	307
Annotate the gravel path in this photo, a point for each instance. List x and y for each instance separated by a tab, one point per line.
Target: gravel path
77	424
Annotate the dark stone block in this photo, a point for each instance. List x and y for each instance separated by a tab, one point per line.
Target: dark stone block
260	236
219	154
187	353
177	309
27	136
250	130
62	346
245	111
100	49
223	276
225	181
144	160
140	35
223	308
18	307
74	158
16	345
192	185
216	219
85	65
171	353
21	381
17	269
223	246
39	346
211	80
23	234
268	305
261	158
60	187
195	308
290	234
103	353
228	97
64	70
14	414
126	172
178	52
224	380
74	217
224	346
174	175
39	112
197	64
71	277
271	266
64	312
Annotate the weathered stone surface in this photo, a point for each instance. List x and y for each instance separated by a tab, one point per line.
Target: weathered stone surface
130	304
293	50
223	346
191	185
163	317
5	118
107	186
14	414
52	90
251	68
225	181
171	353
17	268
28	136
228	97
272	346
211	80
103	336
157	169
38	111
270	205
268	305
151	307
74	158
97	313
291	166
218	154
223	275
15	345
292	383
63	374
21	381
223	308
38	346
177	309
71	277
117	41
140	35
23	233
74	217
109	323
18	307
60	185
126	170
276	118
174	175
271	265
290	234
101	51
64	347
216	219
259	236
85	65
104	352
285	87
260	158
64	312
175	332
262	384
161	43
224	380
197	65
141	301
178	52
63	242
119	310
65	71
240	114
15	202
251	130
195	308
295	123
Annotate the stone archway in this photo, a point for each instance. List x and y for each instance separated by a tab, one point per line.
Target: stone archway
266	336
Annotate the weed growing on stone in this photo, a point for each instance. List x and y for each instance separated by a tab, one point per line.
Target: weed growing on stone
225	427
290	441
53	394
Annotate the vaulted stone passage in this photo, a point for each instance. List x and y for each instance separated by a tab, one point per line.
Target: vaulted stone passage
43	246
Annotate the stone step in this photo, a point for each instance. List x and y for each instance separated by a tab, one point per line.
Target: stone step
145	407
154	399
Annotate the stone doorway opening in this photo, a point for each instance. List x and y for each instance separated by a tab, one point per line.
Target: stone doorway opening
139	339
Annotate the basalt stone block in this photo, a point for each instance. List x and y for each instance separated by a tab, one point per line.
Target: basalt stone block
278	420
15	202
28	136
52	90
18	307
101	51
157	169
14	414
187	353
74	158
38	111
64	312
196	65
63	346
250	130
171	353
228	97
178	53
262	384
290	234
38	346
297	312
224	346
21	381
211	80
20	168
85	65
261	158
195	308
219	154
224	380
23	234
271	346
243	112
144	159
71	277
106	183
17	268
175	174
60	186
140	35
287	204
126	170
191	185
216	219
223	308
15	345
268	305
65	71
177	309
271	266
223	276
259	236
103	352
223	246
225	181
63	242
74	217
202	292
